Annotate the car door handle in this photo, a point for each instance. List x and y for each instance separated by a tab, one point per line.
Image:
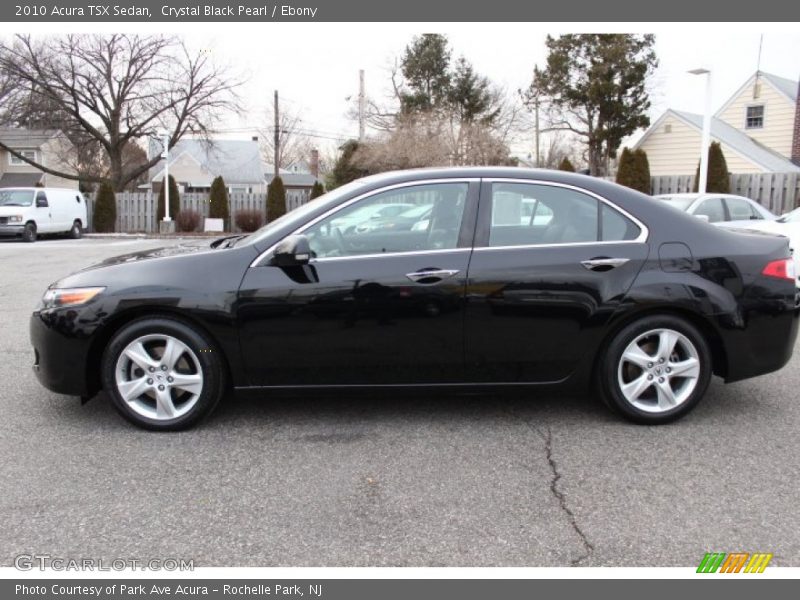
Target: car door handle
431	275
604	264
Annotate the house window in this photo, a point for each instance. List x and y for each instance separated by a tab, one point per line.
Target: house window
17	162
668	128
755	117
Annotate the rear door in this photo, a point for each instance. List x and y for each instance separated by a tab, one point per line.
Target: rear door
542	285
384	306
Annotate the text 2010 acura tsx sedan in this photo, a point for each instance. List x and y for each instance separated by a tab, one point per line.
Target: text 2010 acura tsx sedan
514	278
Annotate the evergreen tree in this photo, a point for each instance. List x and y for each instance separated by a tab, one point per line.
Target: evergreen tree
566	165
104	218
718	181
642	171
276	199
317	190
174	200
625	168
470	95
425	66
345	171
218	201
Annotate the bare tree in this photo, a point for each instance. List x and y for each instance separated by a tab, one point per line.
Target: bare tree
109	91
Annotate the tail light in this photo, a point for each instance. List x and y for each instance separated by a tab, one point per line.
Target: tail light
782	269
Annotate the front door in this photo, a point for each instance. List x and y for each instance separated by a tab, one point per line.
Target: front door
551	264
45	222
381	303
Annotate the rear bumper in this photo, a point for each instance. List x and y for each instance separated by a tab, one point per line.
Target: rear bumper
60	356
763	346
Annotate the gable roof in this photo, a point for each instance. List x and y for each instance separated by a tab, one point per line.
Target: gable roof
27	138
237	161
739	142
8	180
783	86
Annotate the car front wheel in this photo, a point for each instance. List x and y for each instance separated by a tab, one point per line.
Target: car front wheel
656	370
162	374
29	232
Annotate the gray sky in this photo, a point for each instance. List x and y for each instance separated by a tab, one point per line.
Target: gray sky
315	67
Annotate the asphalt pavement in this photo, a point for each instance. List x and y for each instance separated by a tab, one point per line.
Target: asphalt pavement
376	481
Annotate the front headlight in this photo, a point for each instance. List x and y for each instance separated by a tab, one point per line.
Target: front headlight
15	219
58	297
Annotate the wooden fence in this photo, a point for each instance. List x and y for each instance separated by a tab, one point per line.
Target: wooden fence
136	211
779	192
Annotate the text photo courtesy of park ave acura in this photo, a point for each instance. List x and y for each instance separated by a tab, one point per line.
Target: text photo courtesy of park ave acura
395	309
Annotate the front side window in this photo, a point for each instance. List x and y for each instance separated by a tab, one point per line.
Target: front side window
406	219
755	117
526	214
41	200
713	209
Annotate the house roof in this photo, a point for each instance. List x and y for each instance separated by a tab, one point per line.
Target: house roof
739	142
786	86
237	161
26	138
8	180
293	179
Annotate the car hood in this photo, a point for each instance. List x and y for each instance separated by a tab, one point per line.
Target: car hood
189	247
7	211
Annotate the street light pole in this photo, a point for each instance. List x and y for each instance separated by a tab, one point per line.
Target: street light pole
702	184
165	182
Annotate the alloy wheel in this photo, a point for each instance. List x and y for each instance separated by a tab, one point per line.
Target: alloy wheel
159	377
659	370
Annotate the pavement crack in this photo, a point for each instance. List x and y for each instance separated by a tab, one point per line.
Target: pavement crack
562	500
547	438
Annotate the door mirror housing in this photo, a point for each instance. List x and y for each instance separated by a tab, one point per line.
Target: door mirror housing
702	218
292	251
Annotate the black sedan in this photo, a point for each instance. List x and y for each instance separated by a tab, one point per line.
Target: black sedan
601	289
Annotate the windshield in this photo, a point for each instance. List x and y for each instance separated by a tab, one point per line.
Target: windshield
792	217
679	203
10	197
298	215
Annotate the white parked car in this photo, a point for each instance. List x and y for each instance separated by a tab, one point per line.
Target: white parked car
788	225
719	208
28	212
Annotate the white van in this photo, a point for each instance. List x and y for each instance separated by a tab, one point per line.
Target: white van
28	212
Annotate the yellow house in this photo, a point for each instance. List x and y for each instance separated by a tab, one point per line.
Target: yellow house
758	128
48	147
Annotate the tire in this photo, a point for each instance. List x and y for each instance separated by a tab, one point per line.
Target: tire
29	232
77	231
640	381
142	386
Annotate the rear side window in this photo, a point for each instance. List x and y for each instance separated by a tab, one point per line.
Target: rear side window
713	209
525	214
741	209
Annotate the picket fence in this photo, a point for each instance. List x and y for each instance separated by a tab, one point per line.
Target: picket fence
779	192
136	211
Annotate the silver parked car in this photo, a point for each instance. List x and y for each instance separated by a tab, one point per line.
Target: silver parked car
718	208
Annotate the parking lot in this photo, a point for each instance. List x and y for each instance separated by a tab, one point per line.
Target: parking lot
376	481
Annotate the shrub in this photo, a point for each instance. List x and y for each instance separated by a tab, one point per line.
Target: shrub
104	218
218	201
276	199
633	170
174	200
317	190
642	170
188	220
718	181
566	165
249	220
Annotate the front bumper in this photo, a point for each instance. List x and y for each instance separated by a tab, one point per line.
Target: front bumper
60	354
9	230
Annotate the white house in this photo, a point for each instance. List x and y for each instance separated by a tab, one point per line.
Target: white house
758	128
194	164
48	147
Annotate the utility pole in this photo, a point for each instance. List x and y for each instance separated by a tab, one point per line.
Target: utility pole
536	134
361	101
277	137
165	183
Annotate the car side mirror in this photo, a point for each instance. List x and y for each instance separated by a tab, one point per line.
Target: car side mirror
292	251
703	218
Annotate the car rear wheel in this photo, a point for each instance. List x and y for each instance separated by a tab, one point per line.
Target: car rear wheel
162	374
656	370
29	232
76	231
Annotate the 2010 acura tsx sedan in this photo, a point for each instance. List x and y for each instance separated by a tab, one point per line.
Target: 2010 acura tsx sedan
513	278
